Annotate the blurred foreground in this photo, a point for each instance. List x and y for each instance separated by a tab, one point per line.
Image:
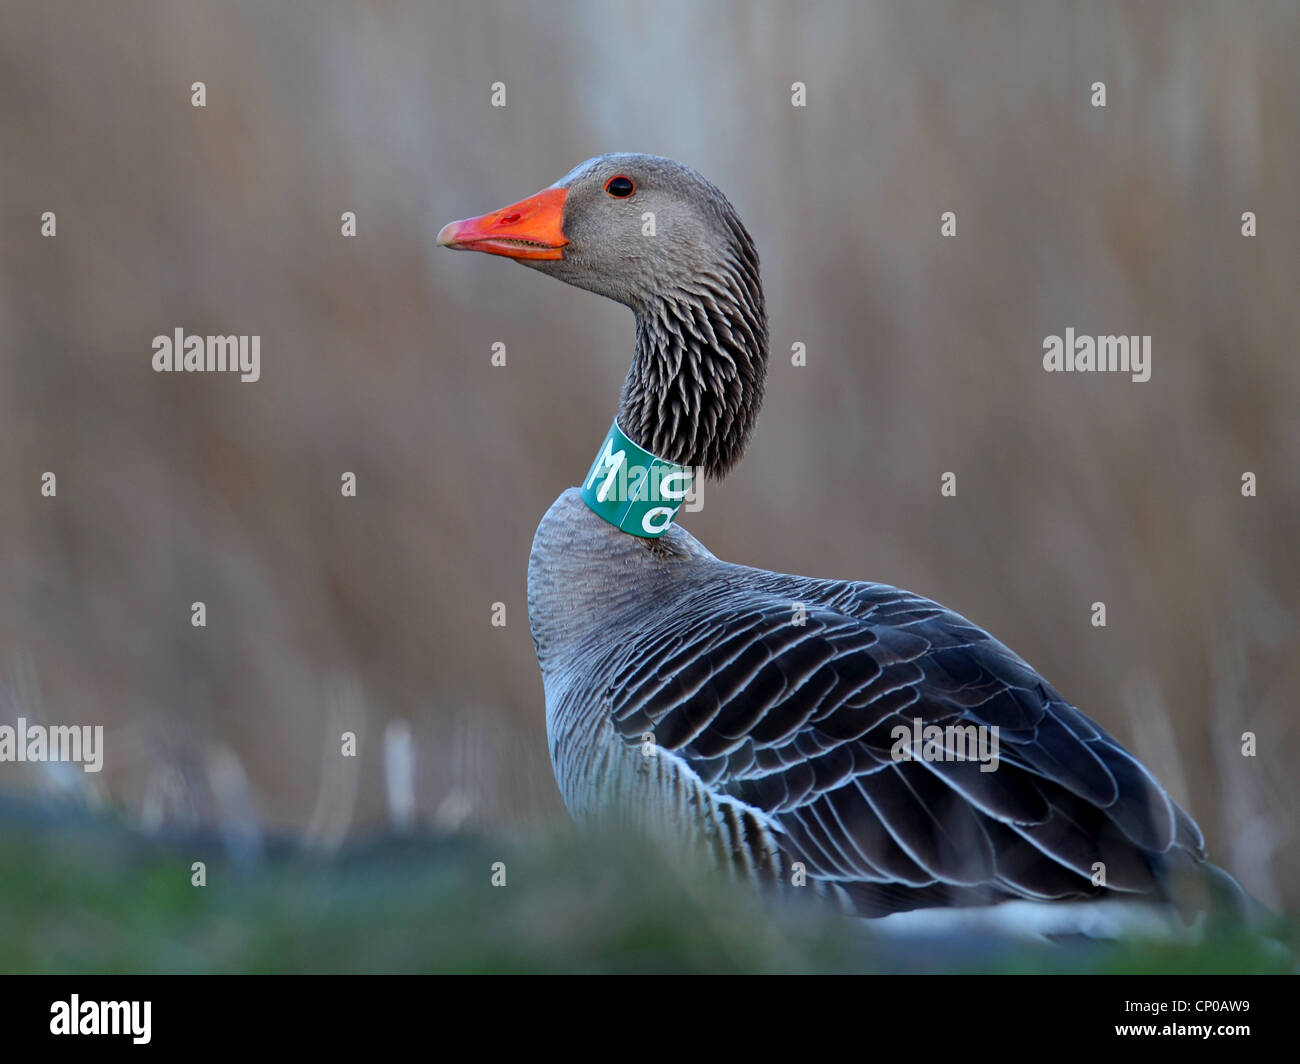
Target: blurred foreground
81	893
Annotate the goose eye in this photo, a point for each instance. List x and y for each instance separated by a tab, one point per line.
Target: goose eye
620	186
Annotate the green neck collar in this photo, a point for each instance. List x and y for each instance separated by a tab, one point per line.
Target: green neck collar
633	490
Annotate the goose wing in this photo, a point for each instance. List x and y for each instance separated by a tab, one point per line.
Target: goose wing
793	696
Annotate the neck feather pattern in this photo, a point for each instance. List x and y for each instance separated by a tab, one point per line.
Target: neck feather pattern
696	383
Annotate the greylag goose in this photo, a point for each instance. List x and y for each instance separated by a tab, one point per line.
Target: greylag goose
803	731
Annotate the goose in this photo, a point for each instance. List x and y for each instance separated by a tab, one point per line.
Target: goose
802	732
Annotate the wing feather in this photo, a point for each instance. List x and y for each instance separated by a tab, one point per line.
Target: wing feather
784	693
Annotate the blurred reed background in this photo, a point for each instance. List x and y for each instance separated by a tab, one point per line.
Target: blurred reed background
924	355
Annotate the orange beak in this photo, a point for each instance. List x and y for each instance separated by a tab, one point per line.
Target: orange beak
529	229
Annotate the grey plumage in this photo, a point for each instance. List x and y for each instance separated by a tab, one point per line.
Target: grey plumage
683	696
771	741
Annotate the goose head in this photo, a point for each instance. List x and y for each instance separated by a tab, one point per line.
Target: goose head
656	236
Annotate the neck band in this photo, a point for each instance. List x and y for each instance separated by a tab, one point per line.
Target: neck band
633	490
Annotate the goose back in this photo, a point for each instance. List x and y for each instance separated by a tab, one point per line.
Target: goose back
754	714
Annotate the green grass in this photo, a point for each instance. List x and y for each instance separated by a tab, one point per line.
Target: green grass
82	893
